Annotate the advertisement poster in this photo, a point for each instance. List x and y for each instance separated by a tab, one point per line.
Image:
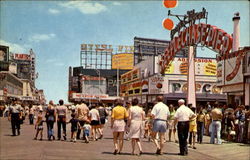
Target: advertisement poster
202	66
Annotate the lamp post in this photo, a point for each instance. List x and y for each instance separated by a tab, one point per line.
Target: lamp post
117	77
99	73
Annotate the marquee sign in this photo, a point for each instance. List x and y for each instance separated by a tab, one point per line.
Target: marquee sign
191	17
107	48
205	34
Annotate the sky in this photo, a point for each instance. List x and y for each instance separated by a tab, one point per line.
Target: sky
56	29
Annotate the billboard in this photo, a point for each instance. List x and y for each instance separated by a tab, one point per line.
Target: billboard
88	96
233	71
132	75
158	85
107	48
123	61
13	68
247	66
220	73
203	66
4	53
25	57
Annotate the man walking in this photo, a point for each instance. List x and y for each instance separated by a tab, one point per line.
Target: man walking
61	111
82	114
160	113
182	116
15	116
216	114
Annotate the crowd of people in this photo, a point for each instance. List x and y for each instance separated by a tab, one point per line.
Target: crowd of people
135	121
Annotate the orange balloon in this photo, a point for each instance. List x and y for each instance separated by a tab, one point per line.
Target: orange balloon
170	3
168	24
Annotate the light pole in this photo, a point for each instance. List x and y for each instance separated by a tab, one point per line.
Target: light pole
99	73
117	78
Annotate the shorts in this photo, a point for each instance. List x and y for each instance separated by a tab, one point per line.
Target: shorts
40	128
86	132
73	129
192	128
94	123
103	120
159	126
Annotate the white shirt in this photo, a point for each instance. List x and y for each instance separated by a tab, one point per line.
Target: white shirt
15	108
61	110
94	114
183	113
86	127
160	111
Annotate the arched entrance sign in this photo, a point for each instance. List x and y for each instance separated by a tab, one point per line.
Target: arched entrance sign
204	34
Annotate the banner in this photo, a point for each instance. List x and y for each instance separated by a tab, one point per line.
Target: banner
203	66
88	96
123	61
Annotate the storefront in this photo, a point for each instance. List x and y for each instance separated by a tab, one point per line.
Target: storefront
231	78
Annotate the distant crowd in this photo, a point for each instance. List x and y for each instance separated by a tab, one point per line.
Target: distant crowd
133	121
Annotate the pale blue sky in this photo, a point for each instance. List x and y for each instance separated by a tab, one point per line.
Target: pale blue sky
55	30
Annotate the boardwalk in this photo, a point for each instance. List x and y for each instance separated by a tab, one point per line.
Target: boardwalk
23	147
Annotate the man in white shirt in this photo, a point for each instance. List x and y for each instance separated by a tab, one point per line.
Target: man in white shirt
61	111
182	116
15	115
160	113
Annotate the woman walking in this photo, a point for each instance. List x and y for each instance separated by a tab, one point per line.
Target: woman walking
171	126
50	120
95	121
103	114
200	125
119	114
135	123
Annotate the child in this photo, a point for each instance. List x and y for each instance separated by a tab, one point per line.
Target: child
86	129
148	125
74	124
192	129
39	125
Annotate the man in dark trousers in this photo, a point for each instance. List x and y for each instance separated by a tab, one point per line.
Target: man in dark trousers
15	116
182	116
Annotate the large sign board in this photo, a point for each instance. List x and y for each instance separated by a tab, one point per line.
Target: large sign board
132	75
123	61
233	75
203	66
205	34
158	84
247	65
200	87
4	53
230	69
88	96
25	57
107	48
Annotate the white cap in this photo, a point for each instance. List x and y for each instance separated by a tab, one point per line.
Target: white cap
182	101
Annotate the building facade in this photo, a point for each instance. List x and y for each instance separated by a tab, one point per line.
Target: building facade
145	83
233	76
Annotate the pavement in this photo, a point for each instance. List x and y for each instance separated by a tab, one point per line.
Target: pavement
24	147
